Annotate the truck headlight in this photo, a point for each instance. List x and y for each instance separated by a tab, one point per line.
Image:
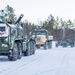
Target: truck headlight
4	45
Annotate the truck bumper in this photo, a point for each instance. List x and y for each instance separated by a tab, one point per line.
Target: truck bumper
4	50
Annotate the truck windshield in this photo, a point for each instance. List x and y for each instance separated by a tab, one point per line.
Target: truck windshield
2	29
39	33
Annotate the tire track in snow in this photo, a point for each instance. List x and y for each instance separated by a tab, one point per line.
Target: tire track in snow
47	72
23	65
62	66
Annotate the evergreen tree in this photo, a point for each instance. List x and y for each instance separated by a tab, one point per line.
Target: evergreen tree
70	25
9	14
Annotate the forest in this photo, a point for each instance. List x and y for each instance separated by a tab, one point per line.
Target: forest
59	28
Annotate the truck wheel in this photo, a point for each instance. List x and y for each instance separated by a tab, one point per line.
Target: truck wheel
34	48
38	47
72	45
49	44
14	53
19	50
56	45
45	46
31	47
33	51
27	52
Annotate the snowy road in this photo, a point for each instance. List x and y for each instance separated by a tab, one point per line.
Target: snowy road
56	61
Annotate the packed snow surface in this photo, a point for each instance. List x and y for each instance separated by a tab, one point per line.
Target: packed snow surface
55	61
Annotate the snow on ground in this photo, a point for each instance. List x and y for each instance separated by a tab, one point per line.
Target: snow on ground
55	61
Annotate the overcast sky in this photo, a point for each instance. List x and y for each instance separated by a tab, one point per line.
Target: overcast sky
36	10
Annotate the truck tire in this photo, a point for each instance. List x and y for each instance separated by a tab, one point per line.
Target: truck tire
14	53
27	52
38	46
31	47
72	44
33	51
49	44
56	45
45	46
34	48
19	50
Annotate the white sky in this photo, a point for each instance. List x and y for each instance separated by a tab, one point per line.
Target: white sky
36	10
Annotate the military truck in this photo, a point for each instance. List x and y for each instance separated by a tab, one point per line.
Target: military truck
64	43
12	42
42	39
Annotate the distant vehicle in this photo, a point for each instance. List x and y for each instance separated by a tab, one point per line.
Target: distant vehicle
64	43
42	38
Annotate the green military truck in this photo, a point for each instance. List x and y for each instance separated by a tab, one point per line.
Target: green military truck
64	43
12	42
42	39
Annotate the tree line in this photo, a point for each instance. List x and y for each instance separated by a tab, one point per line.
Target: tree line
59	28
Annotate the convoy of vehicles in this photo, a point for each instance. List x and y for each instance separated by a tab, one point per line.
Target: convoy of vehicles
42	38
12	42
